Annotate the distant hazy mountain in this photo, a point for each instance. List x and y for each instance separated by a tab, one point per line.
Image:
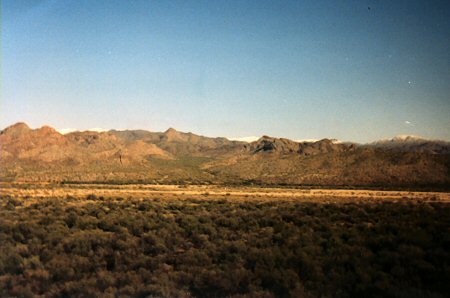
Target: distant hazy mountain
128	156
406	143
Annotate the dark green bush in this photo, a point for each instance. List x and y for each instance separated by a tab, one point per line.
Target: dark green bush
223	248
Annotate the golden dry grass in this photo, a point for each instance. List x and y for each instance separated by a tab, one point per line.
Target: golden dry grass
142	191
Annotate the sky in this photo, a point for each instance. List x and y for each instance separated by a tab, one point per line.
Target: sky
350	70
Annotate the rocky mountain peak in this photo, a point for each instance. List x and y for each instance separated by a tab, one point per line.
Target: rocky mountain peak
172	135
170	131
17	129
407	138
45	130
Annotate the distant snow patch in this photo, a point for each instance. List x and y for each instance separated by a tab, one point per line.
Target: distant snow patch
69	130
407	138
64	131
97	129
306	140
245	139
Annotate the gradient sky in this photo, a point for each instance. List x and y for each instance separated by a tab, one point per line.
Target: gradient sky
352	70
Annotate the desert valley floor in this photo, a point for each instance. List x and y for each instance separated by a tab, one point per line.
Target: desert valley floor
143	191
140	240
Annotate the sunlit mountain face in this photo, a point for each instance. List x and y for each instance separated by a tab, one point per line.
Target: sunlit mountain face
173	156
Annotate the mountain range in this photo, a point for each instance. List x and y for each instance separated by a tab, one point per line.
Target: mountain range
139	156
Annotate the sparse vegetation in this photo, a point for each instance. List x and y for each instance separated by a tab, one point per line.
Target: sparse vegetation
222	247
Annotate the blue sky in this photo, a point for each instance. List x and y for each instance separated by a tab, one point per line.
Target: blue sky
351	70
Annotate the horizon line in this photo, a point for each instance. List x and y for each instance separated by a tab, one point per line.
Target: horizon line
246	139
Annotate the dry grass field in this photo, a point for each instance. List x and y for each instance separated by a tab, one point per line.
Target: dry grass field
142	191
92	240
